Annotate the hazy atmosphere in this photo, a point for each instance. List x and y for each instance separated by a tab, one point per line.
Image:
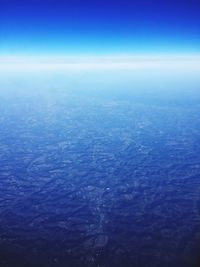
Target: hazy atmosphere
99	133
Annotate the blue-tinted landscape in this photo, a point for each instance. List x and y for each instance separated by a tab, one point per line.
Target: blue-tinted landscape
99	133
99	168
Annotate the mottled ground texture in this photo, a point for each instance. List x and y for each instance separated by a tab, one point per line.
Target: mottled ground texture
92	177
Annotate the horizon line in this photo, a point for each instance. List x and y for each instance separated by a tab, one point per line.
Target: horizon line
135	61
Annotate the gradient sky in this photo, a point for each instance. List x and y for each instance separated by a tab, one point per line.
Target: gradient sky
99	27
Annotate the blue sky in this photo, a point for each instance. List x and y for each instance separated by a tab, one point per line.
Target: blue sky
99	27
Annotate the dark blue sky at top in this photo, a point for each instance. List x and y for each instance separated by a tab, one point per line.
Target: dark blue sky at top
99	27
